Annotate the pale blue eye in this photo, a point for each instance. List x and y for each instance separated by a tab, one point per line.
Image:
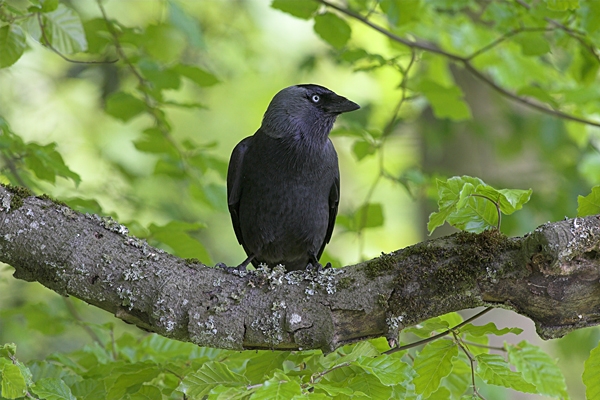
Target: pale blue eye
315	98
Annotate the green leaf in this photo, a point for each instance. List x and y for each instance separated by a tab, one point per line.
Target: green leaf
64	30
303	9
159	78
12	44
447	102
400	12
467	203
124	106
538	368
146	392
262	365
130	377
538	93
368	386
363	148
8	350
46	163
49	5
280	387
427	328
13	383
562	5
186	24
432	364
175	235
591	372
369	215
488	329
154	141
494	370
164	43
362	349
388	369
332	29
197	75
52	389
209	376
532	43
590	204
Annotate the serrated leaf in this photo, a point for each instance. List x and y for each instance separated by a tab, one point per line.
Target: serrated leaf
432	364
590	204
427	328
52	389
131	377
332	29
447	102
494	370
197	75
591	372
124	106
280	387
538	368
362	349
146	392
64	30
388	369
8	350
12	44
469	204
488	329
368	386
334	389
210	375
263	364
303	9
13	383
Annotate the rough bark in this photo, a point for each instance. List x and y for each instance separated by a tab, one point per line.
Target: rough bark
551	275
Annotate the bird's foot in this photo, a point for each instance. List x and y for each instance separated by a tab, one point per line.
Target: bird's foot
317	267
232	270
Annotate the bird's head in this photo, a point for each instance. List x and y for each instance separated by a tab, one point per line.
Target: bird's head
304	112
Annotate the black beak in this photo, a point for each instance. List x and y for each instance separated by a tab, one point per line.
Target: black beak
339	104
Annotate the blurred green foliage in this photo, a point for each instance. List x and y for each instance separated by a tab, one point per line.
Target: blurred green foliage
130	109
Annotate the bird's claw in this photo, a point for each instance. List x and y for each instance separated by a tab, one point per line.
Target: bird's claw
231	270
318	267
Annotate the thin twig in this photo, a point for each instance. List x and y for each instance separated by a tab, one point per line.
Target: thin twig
471	360
504	37
432	48
439	335
81	322
495	203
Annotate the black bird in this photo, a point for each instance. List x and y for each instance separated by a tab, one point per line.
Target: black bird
283	183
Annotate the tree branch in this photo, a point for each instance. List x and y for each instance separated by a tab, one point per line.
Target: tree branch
465	61
551	275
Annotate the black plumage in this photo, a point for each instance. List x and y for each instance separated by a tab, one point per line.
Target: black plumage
283	183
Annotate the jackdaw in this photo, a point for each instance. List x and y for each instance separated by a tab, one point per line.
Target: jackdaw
283	183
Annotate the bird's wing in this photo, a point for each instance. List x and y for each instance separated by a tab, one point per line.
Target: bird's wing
334	200
234	183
